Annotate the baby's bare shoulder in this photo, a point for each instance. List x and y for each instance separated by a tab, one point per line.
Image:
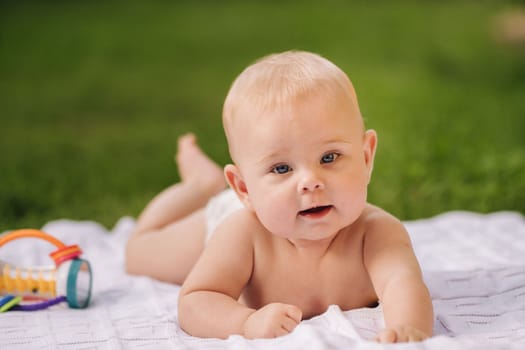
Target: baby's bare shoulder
241	227
384	235
375	218
382	228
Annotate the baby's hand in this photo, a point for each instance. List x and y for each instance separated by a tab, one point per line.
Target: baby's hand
400	335
272	320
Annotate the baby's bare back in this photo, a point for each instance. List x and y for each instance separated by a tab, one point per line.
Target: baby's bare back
311	279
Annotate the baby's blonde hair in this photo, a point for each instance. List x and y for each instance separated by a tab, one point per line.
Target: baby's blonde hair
276	80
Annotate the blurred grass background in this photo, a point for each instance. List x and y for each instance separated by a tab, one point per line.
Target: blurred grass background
94	94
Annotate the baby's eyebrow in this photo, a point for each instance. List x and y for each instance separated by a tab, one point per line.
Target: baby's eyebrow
278	153
272	155
337	142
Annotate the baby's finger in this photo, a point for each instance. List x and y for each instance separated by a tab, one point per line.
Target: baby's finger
386	336
279	332
413	338
289	323
416	336
294	313
402	336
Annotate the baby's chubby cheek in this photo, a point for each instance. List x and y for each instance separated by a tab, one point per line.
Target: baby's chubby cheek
276	219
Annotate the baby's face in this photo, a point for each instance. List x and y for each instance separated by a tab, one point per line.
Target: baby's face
307	168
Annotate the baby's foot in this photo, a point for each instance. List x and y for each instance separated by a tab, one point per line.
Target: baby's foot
195	166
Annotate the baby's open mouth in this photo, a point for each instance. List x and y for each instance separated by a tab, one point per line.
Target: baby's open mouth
316	211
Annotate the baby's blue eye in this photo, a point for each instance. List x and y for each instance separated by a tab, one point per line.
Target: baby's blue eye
329	158
281	169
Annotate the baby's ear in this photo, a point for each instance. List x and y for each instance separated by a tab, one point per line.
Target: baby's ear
369	149
236	182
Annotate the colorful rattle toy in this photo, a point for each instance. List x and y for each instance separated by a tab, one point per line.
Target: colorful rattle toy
39	287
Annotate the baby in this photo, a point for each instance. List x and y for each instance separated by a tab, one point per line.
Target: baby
295	233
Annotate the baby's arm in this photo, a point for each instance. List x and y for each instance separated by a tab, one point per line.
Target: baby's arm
208	301
397	280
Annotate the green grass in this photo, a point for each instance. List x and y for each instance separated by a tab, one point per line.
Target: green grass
93	96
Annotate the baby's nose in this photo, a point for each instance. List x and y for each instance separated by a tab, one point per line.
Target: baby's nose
311	183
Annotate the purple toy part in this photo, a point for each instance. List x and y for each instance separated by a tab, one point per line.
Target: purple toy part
38	306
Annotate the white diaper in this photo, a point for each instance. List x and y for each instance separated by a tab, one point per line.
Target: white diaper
218	208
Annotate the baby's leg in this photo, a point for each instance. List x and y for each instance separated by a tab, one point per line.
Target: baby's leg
169	235
167	254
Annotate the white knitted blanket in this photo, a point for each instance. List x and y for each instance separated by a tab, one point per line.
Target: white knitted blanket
474	266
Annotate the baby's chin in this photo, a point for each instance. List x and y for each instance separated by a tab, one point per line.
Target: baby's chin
311	236
314	224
